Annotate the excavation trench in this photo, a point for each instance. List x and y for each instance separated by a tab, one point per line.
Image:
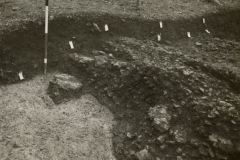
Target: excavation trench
130	72
22	48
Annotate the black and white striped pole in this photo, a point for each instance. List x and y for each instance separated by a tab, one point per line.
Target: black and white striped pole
46	38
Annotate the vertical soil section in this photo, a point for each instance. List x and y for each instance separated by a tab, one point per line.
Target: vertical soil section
132	74
23	49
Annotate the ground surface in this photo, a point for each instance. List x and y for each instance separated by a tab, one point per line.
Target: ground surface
127	76
32	127
17	12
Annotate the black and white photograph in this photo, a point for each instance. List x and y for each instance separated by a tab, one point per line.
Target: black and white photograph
119	79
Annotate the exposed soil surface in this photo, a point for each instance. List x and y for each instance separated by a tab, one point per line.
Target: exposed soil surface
33	127
139	98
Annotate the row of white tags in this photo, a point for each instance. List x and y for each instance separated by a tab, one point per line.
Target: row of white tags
71	43
188	33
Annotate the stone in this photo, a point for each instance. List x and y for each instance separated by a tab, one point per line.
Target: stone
227	108
132	153
81	59
161	118
62	87
224	104
225	145
195	142
198	44
124	71
179	150
211	152
120	64
216	2
162	147
170	142
85	60
222	143
51	18
213	138
162	138
129	135
168	42
96	28
203	150
16	8
98	52
180	134
144	155
221	156
213	113
66	82
179	158
101	61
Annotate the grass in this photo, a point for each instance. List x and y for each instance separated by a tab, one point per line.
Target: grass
16	12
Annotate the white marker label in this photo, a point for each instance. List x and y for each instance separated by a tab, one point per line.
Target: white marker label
71	44
20	74
45	60
161	24
207	31
188	34
203	20
159	37
106	27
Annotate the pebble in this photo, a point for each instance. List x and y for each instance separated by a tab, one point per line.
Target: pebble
198	44
162	138
179	150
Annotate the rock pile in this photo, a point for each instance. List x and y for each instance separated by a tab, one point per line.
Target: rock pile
166	110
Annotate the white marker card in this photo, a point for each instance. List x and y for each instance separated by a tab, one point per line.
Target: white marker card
71	44
203	20
161	24
20	74
188	34
45	60
159	37
207	31
106	27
